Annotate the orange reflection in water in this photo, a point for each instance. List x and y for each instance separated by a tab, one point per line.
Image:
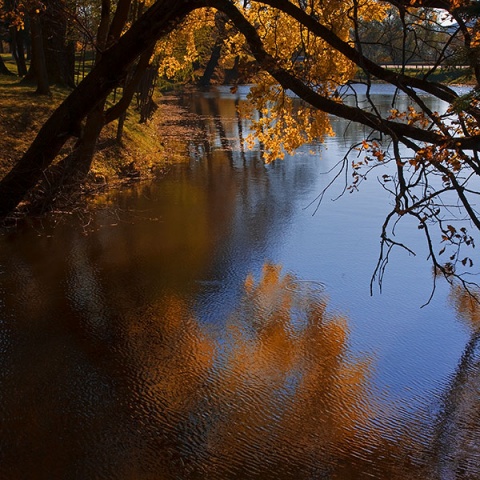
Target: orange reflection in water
297	397
275	392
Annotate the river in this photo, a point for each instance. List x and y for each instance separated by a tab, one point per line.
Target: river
216	324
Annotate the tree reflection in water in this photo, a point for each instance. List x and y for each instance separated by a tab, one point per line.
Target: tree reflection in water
458	427
276	395
154	393
299	399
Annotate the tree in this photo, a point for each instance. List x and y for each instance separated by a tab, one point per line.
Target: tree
222	34
38	65
59	48
12	12
44	27
312	48
413	37
3	68
73	168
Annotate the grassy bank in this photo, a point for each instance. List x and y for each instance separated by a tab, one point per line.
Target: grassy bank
22	113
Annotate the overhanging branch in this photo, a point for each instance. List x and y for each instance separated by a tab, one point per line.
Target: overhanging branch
288	81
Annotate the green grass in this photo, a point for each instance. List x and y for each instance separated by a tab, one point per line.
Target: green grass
9	62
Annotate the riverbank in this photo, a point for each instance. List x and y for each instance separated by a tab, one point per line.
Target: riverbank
142	152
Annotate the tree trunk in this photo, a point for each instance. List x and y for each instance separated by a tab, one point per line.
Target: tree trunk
3	68
232	74
121	123
212	64
81	160
220	21
18	52
62	179
38	56
163	17
59	52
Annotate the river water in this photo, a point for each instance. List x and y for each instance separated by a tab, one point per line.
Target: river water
216	325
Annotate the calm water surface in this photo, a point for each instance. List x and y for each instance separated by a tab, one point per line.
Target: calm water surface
211	326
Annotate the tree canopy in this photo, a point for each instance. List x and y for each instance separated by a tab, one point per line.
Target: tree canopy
303	57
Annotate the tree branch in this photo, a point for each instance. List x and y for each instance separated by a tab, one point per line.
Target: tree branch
399	80
288	81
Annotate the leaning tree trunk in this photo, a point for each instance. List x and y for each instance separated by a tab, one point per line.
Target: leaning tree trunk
212	64
61	180
220	22
64	178
159	20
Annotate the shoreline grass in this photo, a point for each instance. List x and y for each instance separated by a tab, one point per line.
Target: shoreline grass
22	114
